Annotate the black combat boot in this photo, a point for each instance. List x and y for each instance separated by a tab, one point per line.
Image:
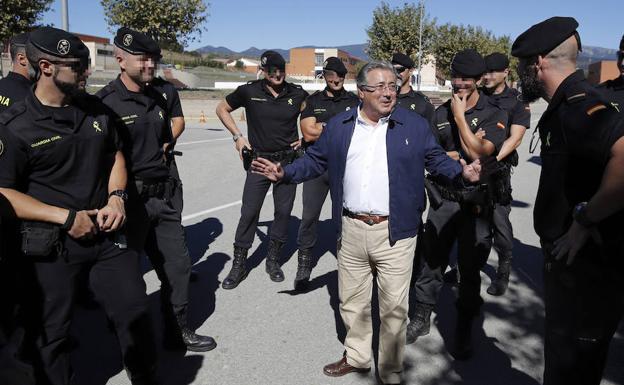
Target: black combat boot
500	283
420	324
272	265
239	269
304	269
179	336
462	349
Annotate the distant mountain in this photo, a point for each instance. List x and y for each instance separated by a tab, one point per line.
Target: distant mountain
594	54
589	54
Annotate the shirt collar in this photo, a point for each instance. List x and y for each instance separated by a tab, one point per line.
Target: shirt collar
40	112
19	78
360	120
559	94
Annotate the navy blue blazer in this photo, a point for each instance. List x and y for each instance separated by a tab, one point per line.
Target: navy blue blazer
411	148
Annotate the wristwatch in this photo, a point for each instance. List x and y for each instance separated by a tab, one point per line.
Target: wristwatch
579	214
119	193
237	137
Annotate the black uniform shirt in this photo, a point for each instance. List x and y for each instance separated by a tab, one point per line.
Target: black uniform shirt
271	121
614	89
576	131
485	114
171	95
60	156
144	127
13	88
323	107
419	103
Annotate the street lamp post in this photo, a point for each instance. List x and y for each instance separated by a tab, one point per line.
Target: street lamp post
420	27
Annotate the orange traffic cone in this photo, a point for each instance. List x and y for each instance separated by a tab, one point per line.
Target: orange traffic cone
202	117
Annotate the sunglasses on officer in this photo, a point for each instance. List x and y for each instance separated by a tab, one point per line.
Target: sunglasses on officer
400	69
78	65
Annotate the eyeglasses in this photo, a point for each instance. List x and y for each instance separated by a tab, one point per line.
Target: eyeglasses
78	65
400	69
380	87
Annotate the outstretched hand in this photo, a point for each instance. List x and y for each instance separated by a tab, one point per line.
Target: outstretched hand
471	172
273	171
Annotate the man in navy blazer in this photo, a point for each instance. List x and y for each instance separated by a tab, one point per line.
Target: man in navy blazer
376	156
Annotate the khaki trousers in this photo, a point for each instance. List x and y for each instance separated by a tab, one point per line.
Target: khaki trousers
363	250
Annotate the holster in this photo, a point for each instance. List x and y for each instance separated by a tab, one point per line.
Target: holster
40	239
248	156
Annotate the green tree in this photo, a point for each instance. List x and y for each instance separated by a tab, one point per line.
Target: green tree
398	30
239	65
451	38
17	16
173	23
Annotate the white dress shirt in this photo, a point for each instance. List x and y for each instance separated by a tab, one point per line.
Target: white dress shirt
365	184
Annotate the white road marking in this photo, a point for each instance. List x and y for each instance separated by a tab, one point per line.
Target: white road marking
218	208
202	141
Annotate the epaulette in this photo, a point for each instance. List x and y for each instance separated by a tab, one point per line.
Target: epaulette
296	86
424	96
104	92
15	110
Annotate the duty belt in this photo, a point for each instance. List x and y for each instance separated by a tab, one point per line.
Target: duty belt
284	156
366	218
154	188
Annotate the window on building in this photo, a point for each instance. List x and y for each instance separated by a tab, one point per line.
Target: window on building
104	52
318	59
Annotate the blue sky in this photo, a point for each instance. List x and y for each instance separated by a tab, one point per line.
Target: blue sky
239	24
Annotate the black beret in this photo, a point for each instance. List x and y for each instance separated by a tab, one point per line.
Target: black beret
622	44
335	64
136	43
270	59
402	60
543	37
19	39
59	43
469	63
496	61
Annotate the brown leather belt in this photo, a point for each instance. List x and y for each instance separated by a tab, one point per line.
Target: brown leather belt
368	219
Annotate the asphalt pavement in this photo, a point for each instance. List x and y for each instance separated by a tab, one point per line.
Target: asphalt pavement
269	334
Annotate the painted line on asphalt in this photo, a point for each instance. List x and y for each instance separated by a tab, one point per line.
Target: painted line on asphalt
202	141
218	208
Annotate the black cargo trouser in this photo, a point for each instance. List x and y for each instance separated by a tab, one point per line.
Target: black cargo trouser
584	304
115	277
472	230
314	195
254	192
155	226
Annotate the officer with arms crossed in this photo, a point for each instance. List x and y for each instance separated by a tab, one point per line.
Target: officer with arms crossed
464	213
319	108
155	193
519	114
578	211
408	98
16	85
272	106
62	170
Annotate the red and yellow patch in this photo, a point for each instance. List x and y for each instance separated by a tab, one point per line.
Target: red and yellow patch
595	108
500	125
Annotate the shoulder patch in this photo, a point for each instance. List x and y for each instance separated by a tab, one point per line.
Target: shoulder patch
576	97
500	125
595	108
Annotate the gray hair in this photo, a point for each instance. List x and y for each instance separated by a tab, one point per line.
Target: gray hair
362	80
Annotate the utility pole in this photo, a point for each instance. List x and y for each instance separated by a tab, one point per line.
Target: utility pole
64	15
420	27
